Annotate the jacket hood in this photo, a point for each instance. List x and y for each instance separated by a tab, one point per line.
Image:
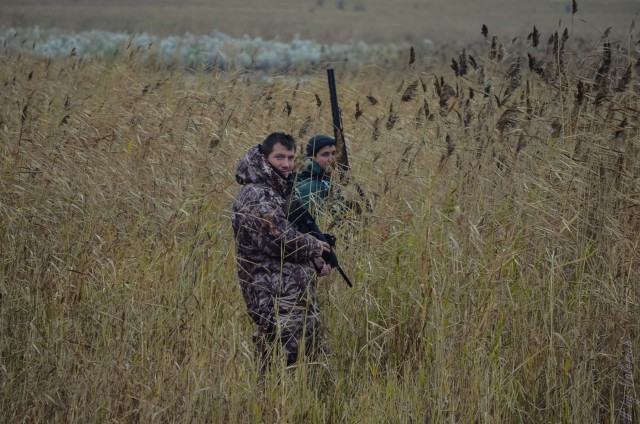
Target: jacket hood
254	168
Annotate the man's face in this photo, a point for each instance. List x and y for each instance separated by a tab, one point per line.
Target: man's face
326	156
281	159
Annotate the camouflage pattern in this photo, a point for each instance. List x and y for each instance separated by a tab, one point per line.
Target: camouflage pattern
277	277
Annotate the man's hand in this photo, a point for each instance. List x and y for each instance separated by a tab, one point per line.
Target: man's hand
325	247
350	194
322	267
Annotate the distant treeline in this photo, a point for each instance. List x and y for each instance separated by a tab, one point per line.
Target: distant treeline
216	51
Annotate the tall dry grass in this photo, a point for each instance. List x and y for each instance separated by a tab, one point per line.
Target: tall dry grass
496	276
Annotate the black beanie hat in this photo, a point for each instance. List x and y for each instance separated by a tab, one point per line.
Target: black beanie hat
318	142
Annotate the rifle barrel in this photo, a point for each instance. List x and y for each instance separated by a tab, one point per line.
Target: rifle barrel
344	276
338	130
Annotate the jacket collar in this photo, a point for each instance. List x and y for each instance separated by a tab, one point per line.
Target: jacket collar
254	168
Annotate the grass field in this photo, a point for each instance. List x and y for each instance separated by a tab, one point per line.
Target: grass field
496	277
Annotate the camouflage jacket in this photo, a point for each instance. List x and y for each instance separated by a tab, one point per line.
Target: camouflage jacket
276	274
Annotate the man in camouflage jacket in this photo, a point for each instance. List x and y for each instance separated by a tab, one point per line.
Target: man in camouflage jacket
277	264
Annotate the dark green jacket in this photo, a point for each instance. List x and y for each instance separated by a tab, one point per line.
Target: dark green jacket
313	187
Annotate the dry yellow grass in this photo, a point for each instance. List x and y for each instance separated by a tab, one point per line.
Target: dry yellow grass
496	278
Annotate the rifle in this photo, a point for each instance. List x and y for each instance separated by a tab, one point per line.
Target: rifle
338	134
338	130
300	216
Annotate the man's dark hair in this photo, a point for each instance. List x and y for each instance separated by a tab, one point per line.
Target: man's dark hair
277	137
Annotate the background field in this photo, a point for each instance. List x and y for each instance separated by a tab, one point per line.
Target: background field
496	276
444	21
